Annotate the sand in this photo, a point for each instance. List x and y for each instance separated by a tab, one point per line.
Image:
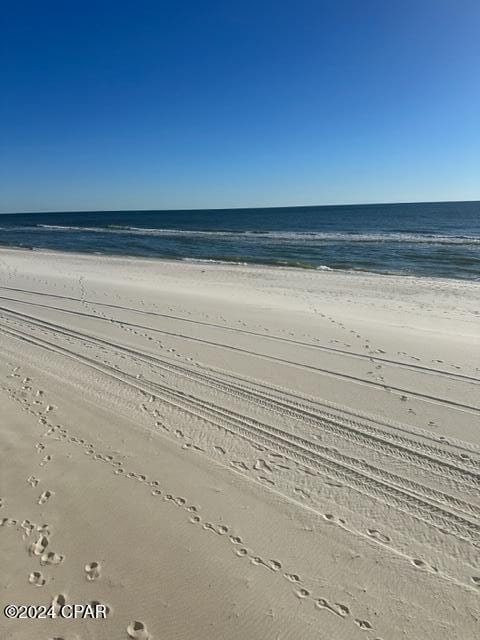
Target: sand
237	452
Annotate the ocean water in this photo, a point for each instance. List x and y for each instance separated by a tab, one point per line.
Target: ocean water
422	239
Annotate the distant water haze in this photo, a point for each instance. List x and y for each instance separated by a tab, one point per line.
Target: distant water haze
422	239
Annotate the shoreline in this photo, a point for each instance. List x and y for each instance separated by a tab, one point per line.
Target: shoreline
226	263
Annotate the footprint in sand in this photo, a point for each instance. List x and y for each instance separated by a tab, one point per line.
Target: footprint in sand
261	465
363	624
322	603
38	547
257	561
27	527
9	522
51	558
342	609
374	533
45	460
96	603
46	495
36	578
138	631
93	570
220	449
43	529
418	563
58	602
331	518
292	577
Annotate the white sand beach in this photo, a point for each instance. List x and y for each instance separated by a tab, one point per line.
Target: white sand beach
223	452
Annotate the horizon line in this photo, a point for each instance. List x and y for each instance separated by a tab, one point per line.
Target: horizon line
253	208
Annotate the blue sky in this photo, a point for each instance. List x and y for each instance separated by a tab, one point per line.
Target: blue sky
126	105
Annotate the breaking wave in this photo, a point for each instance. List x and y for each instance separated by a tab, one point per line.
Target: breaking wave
275	236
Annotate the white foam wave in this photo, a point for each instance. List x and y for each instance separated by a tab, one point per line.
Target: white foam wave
268	236
212	261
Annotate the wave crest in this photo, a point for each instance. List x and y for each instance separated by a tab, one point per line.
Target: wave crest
267	235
